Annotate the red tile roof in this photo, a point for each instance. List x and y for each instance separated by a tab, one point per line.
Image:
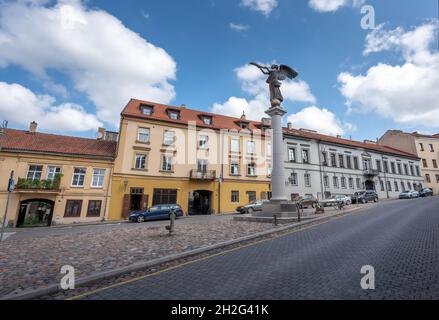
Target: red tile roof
160	113
352	143
225	122
22	141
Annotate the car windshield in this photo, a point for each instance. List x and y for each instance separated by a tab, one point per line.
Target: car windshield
360	193
155	208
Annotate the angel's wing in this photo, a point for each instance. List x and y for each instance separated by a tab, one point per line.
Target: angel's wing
288	72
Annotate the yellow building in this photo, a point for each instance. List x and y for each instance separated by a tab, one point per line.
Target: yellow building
207	163
58	179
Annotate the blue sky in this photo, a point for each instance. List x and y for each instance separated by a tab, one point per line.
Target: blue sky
198	59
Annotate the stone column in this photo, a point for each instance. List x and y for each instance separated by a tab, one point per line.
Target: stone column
277	172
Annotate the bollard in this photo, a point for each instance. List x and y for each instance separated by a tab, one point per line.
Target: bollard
275	219
299	206
170	228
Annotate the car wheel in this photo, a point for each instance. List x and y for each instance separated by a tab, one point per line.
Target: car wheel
250	210
375	200
140	219
363	201
348	203
313	205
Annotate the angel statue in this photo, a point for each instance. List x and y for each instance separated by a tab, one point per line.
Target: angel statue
276	74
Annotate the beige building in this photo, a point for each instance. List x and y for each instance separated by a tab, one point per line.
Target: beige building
425	147
208	163
58	179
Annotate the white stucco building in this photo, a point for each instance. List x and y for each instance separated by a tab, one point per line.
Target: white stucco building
323	165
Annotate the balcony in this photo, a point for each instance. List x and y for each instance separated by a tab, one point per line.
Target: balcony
203	175
29	185
371	172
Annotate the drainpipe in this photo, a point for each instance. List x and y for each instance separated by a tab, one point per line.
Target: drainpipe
220	179
321	171
106	194
385	176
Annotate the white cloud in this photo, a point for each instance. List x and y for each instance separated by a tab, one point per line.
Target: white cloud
407	93
321	120
253	83
104	59
332	5
21	105
263	6
239	27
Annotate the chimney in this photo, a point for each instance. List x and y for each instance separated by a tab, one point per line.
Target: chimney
338	136
33	127
101	133
290	126
183	106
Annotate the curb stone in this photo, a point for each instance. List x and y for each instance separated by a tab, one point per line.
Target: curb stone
35	293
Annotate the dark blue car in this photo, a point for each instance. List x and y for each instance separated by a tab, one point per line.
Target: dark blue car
158	212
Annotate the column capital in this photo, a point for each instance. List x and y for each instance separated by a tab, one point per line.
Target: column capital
276	111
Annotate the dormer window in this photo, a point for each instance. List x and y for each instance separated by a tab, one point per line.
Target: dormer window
146	110
207	120
174	114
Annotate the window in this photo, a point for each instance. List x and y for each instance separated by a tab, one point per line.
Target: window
98	178
382	185
251	147
396	186
424	163
164	196
292	154
94	208
406	169
79	177
431	148
427	178
418	172
73	208
386	166
251	169
269	150
143	135
207	120
174	115
234	168
307	177
402	186
140	161
356	163
434	163
169	138
146	110
392	166
378	163
358	183
235	196
293	179
351	183
326	181
409	185
167	163
234	145
202	141
202	165
324	158
251	196
348	162
34	172
305	156
333	160
412	172
343	182
341	161
269	169
421	147
389	186
437	178
399	168
52	172
335	182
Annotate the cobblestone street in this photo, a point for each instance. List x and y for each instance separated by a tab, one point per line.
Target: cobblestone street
399	239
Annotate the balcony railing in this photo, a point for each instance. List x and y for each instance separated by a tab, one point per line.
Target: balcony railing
38	185
371	172
203	175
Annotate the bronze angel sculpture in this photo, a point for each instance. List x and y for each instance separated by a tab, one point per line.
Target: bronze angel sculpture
276	74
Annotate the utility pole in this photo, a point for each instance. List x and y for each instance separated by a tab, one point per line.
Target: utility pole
10	190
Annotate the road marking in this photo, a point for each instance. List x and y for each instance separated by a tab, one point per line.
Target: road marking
7	235
115	285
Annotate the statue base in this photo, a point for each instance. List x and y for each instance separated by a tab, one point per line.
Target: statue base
280	209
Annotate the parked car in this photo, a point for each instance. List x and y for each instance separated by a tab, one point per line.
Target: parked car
333	200
408	194
308	200
158	212
365	196
425	192
251	207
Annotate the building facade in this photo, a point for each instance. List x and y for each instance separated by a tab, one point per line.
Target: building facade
207	163
58	179
322	166
424	146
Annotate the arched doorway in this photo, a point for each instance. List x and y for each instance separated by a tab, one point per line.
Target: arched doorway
369	184
200	202
35	213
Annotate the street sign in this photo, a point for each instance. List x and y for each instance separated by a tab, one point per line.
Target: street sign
11	185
